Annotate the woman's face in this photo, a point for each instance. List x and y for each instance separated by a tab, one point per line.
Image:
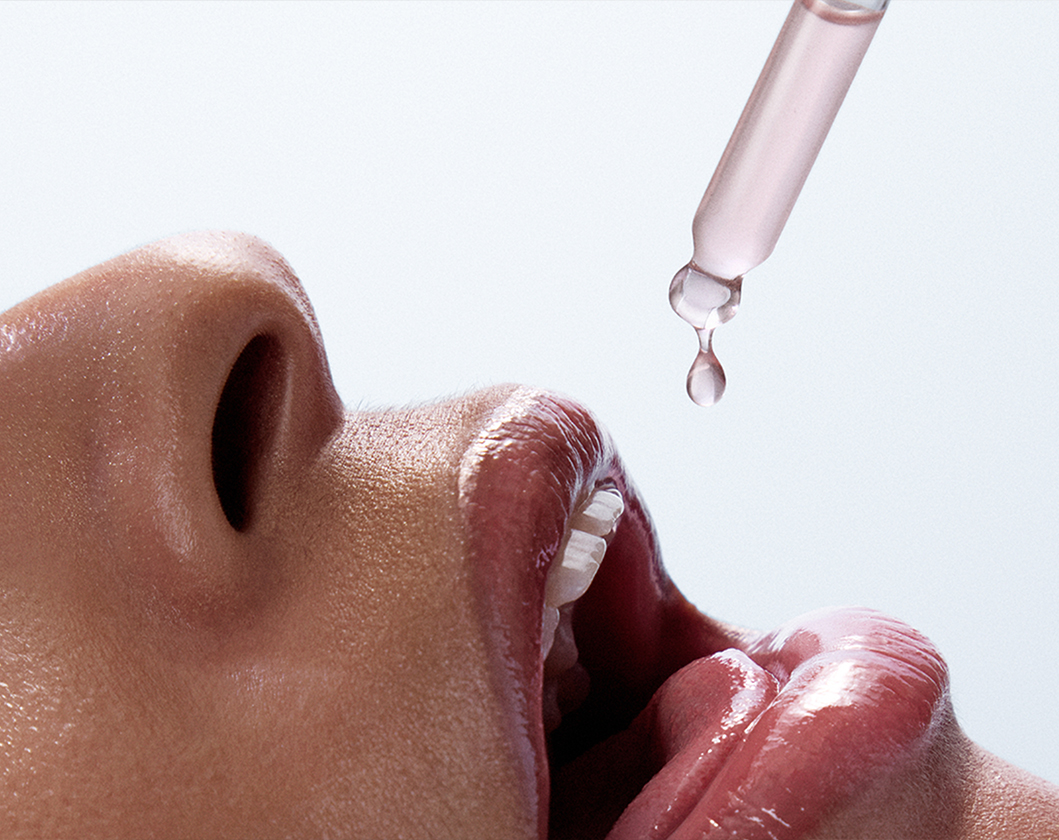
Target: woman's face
232	608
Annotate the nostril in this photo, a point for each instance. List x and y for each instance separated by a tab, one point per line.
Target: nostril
244	427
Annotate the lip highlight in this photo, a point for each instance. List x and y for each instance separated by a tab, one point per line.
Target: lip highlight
518	484
692	728
859	696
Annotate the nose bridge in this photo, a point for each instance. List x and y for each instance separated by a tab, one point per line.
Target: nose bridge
216	391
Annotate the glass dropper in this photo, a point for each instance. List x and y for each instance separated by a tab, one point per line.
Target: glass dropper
765	164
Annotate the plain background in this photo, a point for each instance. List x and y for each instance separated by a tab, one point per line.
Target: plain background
493	192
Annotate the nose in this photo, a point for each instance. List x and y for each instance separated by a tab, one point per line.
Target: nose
189	381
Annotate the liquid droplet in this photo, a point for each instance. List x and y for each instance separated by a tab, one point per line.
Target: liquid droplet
705	302
706	379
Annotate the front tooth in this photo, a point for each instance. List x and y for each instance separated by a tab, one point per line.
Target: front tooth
572	574
549	621
600	514
563	654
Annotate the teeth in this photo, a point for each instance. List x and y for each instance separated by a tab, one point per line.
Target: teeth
571	576
601	513
572	572
550	622
563	655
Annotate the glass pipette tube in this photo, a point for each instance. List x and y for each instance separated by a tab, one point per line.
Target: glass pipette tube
766	162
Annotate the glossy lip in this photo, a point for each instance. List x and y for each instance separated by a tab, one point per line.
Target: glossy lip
518	483
798	719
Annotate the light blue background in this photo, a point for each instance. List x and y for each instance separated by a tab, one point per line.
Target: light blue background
489	192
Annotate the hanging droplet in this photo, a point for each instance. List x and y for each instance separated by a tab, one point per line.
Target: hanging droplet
705	302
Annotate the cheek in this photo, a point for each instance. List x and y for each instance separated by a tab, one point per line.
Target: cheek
347	690
48	464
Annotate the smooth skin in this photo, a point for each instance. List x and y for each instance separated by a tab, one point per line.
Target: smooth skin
299	655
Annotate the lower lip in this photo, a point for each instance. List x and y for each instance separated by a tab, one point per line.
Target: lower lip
766	745
853	693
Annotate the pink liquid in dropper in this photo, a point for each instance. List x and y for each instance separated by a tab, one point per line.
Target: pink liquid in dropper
765	165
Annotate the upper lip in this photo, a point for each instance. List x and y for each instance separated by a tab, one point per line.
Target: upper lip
841	695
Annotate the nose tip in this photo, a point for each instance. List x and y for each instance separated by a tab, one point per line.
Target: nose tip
211	390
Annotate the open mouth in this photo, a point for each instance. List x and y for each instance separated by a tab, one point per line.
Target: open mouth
636	715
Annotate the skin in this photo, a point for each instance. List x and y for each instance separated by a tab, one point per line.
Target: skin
315	669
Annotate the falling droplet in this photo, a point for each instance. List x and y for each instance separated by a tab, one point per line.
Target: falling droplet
706	378
705	302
